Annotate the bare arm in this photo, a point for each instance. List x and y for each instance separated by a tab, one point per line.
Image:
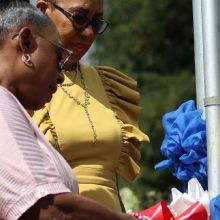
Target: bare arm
69	206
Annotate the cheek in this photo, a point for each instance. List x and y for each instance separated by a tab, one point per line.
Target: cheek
64	26
51	70
47	70
67	32
67	36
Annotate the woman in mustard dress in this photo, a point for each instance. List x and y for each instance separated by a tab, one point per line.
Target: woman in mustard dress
92	118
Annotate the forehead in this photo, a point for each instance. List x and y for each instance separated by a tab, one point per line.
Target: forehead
92	6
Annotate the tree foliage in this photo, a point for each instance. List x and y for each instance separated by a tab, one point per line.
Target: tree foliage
151	40
148	36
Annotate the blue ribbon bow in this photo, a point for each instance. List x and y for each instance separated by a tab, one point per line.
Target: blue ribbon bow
184	144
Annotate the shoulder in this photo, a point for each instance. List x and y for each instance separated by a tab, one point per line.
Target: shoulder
6	97
10	108
110	73
114	82
119	87
116	76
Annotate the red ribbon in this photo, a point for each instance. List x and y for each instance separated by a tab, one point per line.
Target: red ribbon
160	211
194	212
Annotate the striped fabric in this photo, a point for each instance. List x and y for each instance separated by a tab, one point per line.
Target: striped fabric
30	168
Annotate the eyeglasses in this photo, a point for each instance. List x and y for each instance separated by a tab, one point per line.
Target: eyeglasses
80	20
59	52
62	62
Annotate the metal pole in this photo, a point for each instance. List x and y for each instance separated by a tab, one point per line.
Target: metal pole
211	46
198	50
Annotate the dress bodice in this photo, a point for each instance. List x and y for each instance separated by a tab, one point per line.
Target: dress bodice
113	110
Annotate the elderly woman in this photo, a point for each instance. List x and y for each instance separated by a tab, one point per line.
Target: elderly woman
92	118
36	182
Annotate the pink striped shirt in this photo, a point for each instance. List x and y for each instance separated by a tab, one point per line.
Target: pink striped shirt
30	168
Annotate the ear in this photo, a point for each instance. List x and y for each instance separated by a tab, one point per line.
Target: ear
26	40
42	5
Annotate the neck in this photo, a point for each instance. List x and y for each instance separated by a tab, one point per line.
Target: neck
5	79
7	70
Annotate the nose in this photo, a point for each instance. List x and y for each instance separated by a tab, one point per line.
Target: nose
89	33
60	78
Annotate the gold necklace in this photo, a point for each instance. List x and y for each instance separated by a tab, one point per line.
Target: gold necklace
86	100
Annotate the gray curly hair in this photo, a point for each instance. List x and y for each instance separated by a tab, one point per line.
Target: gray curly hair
15	14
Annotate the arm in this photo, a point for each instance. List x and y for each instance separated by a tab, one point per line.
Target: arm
69	206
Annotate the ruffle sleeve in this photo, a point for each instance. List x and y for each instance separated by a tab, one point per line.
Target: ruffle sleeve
43	120
124	100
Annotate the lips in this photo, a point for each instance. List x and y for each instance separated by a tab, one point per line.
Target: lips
80	49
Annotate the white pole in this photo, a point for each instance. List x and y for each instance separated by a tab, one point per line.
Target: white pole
198	50
211	46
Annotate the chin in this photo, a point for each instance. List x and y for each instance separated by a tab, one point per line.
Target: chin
74	60
34	106
38	107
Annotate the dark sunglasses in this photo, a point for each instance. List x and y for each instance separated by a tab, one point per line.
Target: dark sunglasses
80	21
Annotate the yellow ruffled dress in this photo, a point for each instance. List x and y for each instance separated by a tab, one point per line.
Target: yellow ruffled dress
114	112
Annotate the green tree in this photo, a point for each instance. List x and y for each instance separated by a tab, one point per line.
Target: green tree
155	36
151	40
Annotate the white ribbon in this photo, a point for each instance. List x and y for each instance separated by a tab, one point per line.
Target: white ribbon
182	201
